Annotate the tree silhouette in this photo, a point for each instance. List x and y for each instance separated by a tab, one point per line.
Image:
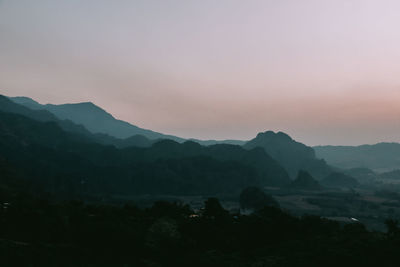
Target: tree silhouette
254	198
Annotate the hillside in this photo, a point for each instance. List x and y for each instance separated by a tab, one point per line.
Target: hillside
69	164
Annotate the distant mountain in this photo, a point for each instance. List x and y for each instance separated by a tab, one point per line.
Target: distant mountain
93	118
97	120
6	105
304	181
53	160
337	179
381	157
292	155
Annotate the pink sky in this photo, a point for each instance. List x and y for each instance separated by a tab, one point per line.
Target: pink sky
325	72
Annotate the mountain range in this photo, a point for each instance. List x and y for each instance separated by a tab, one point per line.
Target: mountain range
45	153
97	120
292	155
381	157
89	119
118	157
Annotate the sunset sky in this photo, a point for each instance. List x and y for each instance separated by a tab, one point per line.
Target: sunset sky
325	72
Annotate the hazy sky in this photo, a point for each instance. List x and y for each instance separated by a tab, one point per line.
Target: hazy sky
325	72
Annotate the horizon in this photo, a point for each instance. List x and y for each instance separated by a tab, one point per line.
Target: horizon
324	73
227	139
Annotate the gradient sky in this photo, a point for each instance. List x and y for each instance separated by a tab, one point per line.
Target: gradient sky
325	72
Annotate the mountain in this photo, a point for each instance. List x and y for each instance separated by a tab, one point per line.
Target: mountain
97	120
93	118
381	157
304	181
337	179
40	115
53	160
292	155
6	105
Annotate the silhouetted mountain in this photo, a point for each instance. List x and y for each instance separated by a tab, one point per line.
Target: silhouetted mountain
380	157
40	115
45	116
26	101
337	179
292	155
93	118
97	120
69	163
304	181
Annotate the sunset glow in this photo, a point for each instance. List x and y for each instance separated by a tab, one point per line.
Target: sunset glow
324	72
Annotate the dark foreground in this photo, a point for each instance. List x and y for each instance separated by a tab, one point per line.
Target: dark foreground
37	232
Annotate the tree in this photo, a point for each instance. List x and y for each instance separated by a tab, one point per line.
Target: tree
392	227
213	209
254	198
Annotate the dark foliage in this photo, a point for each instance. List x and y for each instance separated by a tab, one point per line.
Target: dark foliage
254	198
39	232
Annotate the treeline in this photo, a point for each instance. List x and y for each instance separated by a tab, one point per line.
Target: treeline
38	232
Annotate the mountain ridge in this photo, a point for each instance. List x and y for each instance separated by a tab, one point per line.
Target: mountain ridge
94	118
128	129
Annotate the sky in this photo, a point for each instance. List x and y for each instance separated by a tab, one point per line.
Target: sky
325	72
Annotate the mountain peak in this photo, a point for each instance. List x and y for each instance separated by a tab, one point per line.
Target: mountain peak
290	153
23	99
274	136
26	101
